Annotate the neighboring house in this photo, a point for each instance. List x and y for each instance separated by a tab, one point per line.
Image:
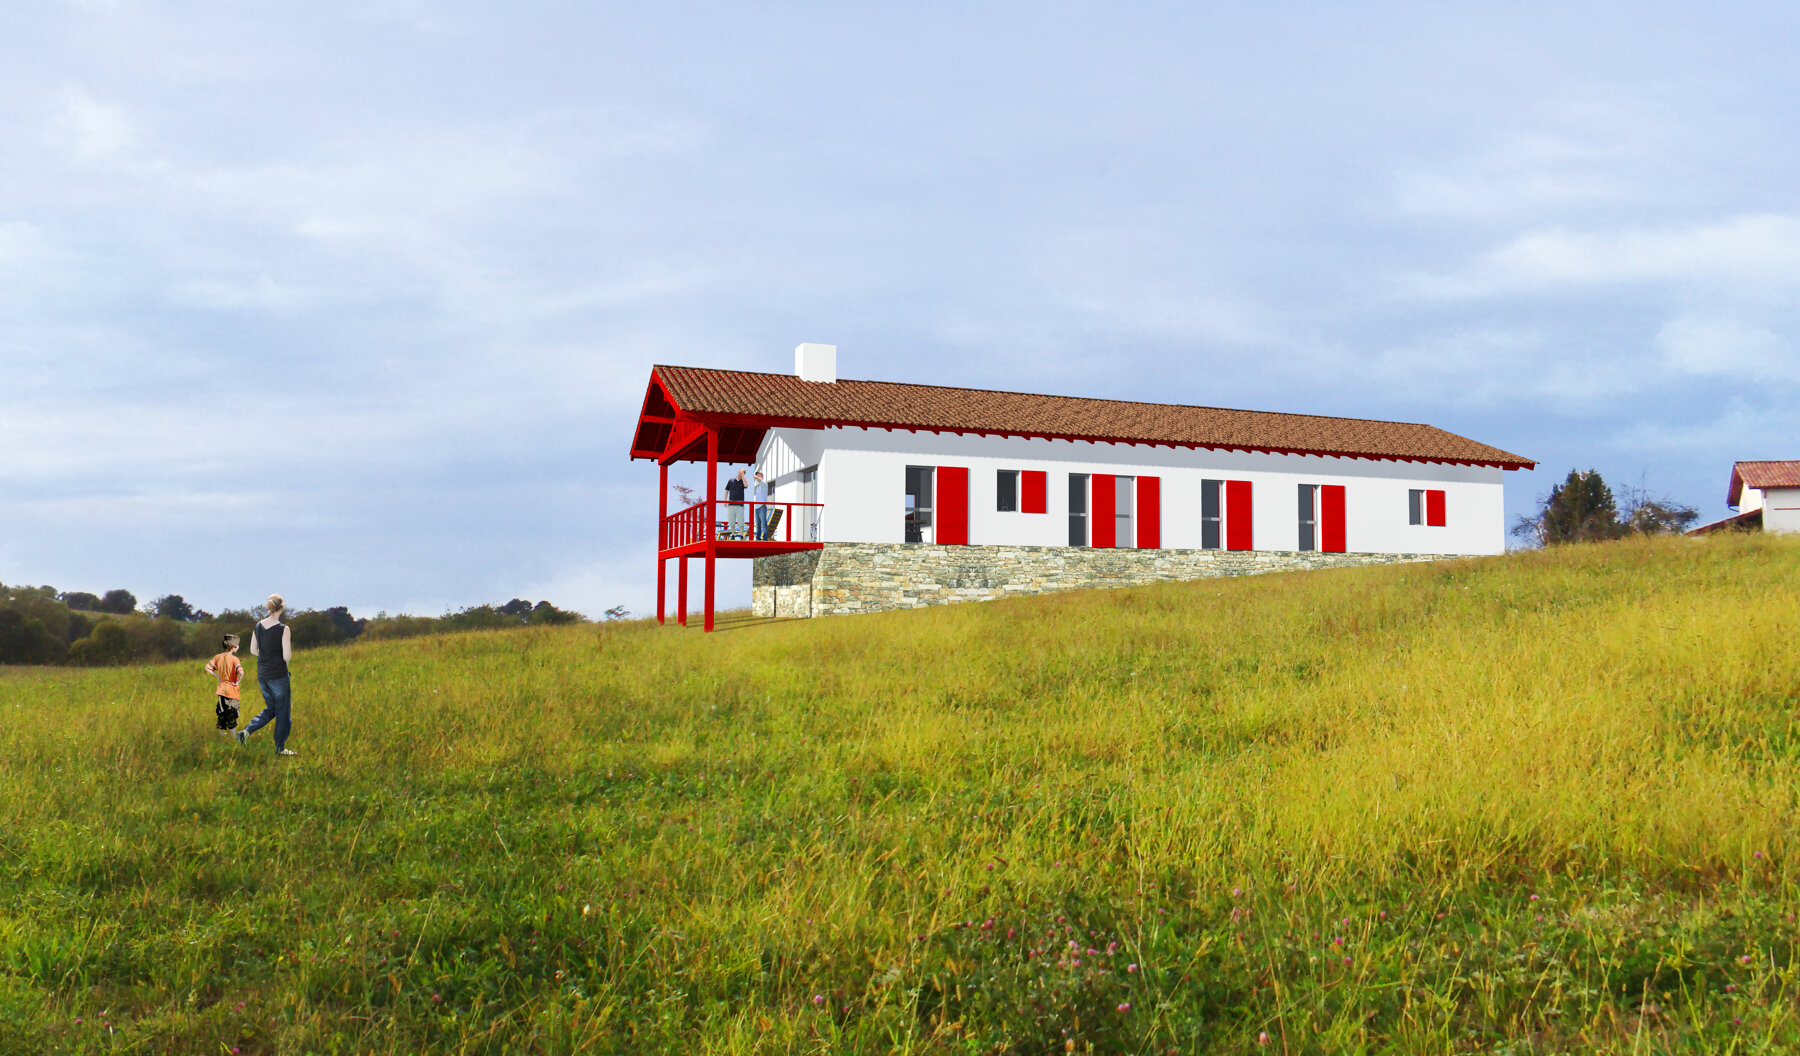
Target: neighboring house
1766	495
889	495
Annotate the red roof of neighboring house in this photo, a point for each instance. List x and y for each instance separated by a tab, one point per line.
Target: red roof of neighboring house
747	400
1737	522
1761	476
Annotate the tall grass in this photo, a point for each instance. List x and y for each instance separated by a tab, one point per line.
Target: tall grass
1538	803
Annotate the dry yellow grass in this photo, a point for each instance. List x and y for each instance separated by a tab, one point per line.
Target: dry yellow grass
1535	803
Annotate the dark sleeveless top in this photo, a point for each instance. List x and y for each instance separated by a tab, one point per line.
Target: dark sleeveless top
269	661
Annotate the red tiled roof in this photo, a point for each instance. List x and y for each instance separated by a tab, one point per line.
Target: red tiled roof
1774	473
784	398
1737	522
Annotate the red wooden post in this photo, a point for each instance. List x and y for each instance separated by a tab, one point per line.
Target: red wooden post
681	591
662	567
712	491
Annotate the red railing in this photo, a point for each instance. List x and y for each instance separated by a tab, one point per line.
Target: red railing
702	521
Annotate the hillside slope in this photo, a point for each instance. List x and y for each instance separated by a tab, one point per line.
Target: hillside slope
1535	803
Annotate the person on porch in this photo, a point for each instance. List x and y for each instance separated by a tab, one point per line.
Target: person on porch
734	490
759	493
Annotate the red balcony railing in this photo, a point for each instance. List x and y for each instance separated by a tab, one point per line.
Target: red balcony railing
727	521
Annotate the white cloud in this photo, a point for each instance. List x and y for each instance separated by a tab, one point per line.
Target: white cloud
1742	431
261	294
1721	346
95	131
1742	257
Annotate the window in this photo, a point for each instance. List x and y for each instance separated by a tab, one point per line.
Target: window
1309	516
1078	506
918	504
1425	506
806	518
1322	518
1211	514
1006	491
1122	534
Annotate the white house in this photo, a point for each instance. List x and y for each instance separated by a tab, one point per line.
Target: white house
893	474
1766	495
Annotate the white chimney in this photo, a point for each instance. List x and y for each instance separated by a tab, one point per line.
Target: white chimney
816	362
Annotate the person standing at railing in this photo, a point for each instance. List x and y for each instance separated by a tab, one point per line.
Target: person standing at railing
759	493
734	490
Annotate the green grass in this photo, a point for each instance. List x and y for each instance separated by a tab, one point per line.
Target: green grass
1530	804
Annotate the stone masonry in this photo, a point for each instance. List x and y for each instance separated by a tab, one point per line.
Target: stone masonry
876	577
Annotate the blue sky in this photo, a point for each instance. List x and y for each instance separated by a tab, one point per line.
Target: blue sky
356	301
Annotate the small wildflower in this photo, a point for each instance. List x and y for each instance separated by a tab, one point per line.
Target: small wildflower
1346	961
436	1000
1262	1037
1745	959
1130	968
1237	892
1124	1006
818	999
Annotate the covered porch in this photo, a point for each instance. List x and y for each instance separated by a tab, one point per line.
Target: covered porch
713	528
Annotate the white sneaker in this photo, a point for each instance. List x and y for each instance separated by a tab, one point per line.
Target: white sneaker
240	735
284	751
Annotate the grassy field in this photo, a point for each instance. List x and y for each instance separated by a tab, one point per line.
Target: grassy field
1531	804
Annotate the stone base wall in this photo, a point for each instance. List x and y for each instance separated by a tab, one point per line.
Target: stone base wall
877	577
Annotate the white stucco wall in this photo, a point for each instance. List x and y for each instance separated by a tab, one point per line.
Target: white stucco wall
1749	500
1781	510
862	473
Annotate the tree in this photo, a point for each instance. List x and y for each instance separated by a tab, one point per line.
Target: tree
82	601
1580	509
173	607
545	613
518	607
1646	514
25	640
120	602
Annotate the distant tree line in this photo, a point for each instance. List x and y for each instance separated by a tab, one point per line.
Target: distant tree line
1583	509
39	625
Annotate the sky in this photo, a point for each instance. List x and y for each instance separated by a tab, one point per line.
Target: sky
357	301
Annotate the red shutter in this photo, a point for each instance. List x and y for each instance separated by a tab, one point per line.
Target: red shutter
1434	509
1237	515
953	505
1149	513
1331	518
1034	483
1103	496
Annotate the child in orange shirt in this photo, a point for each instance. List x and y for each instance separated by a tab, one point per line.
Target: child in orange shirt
226	668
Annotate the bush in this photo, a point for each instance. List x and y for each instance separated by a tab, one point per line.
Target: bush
108	644
25	640
119	602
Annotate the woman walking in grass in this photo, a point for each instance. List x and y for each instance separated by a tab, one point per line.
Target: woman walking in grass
273	647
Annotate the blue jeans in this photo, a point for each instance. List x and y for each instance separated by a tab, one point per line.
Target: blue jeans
277	695
762	522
